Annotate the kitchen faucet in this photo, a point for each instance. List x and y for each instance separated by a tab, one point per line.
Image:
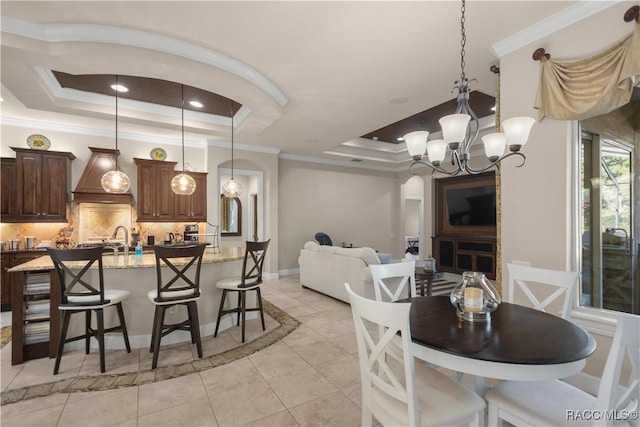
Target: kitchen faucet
126	238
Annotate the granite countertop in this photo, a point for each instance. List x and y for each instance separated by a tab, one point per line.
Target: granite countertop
146	260
23	251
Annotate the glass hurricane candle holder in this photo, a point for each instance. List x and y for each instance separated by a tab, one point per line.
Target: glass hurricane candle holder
475	298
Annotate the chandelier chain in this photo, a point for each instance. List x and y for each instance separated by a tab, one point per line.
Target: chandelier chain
463	42
231	139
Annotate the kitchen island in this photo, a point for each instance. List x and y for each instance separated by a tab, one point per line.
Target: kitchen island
136	274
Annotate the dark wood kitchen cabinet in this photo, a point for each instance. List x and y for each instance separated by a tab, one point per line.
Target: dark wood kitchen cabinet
193	207
43	184
8	195
155	198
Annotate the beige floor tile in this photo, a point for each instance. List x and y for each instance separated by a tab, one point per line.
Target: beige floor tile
75	397
319	352
300	310
9	372
116	362
303	335
194	414
40	371
253	329
343	372
166	394
354	393
331	329
102	409
347	342
299	386
229	377
169	355
335	409
246	404
25	407
281	419
217	345
278	360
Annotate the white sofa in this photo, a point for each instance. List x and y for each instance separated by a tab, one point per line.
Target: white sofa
327	268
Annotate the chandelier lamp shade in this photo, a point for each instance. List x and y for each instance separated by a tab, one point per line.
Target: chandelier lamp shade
183	183
115	181
231	188
460	133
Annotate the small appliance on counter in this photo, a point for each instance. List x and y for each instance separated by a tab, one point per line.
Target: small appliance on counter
190	233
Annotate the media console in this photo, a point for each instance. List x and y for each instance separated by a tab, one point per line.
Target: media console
465	238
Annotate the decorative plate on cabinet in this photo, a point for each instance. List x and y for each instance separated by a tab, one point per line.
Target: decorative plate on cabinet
158	154
38	142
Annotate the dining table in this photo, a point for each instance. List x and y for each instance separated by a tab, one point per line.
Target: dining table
517	343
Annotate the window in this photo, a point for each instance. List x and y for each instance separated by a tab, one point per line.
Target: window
607	224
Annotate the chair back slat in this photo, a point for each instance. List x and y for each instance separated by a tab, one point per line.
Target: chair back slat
74	284
394	281
525	278
177	284
253	262
377	376
615	392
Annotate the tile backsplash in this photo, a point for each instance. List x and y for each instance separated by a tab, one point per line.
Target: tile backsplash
91	221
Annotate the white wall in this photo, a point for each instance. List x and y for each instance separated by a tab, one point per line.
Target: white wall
536	199
350	205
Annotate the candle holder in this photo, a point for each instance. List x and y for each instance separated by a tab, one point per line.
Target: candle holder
475	298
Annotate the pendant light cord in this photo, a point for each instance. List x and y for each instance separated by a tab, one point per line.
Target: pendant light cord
117	90
231	139
182	105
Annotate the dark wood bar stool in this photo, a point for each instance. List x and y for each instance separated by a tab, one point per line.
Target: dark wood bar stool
249	281
176	288
77	295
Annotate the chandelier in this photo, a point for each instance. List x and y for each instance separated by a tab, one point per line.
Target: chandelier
460	131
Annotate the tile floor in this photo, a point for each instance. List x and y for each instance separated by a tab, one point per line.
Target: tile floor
309	378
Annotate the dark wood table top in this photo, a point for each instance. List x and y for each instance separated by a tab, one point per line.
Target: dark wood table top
515	334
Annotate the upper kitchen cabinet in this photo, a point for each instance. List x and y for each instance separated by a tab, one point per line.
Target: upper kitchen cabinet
43	180
193	207
155	198
8	197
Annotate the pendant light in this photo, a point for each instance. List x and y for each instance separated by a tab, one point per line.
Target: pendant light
115	181
183	184
231	188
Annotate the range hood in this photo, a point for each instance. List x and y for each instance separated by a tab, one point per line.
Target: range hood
89	189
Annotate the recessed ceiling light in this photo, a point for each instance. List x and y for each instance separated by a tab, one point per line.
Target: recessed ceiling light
196	104
120	88
400	138
493	108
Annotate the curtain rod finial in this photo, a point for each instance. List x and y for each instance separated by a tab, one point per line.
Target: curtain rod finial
540	55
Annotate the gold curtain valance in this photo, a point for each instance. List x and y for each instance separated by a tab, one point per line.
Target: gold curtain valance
584	88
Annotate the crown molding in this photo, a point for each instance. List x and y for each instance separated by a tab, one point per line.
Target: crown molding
92	33
317	160
56	127
556	22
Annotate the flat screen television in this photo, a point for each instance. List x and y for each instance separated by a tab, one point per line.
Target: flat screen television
472	206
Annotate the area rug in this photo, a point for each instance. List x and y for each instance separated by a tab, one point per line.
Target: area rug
442	287
5	336
287	324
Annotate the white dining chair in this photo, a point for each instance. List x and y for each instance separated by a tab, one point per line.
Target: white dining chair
413	394
523	280
556	403
394	281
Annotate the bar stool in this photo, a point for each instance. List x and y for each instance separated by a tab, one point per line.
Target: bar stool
249	281
176	289
79	296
